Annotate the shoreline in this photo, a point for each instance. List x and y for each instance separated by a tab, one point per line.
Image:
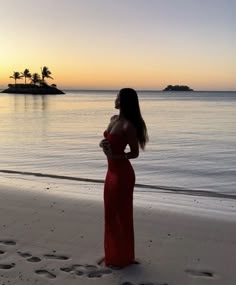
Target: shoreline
165	189
53	232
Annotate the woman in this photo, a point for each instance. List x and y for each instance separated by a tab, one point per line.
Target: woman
127	128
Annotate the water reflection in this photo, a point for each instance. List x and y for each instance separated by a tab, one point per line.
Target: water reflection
30	103
24	119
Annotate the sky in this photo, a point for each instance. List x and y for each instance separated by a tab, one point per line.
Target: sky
110	44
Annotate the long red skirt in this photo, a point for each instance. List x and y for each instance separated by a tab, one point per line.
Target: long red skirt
118	204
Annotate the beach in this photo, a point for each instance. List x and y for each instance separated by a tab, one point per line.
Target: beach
52	233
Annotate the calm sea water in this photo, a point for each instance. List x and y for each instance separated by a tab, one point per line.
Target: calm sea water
192	137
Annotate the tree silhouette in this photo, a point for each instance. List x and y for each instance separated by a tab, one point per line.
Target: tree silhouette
26	74
16	75
35	78
46	73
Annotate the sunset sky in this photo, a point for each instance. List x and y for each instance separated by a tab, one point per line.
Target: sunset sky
108	44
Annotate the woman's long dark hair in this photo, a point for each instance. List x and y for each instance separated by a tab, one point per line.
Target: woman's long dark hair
129	105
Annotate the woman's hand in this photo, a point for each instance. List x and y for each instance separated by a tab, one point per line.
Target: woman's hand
106	147
102	142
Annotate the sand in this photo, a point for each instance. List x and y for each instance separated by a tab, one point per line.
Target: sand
52	233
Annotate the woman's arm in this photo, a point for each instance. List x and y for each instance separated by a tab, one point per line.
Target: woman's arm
132	139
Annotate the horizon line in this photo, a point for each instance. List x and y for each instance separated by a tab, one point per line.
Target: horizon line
138	90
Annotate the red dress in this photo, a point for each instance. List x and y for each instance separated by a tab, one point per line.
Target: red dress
118	204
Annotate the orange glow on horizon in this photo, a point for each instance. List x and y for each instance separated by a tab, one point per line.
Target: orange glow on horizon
111	44
114	72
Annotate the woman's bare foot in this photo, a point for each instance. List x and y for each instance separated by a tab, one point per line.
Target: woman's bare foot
113	267
101	261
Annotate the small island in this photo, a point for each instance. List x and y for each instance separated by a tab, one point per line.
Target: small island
177	88
37	85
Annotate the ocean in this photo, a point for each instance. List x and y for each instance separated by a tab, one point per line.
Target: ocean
192	143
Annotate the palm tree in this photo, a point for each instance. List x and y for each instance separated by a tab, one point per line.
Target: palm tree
26	74
16	75
46	73
35	78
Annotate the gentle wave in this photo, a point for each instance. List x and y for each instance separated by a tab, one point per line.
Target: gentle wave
176	190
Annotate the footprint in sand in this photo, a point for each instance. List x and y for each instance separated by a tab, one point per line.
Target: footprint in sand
66	269
34	259
29	256
7	242
90	271
45	273
78	272
7	266
24	254
98	273
196	273
57	257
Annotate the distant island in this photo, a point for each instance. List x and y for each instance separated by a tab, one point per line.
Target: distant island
177	88
37	85
31	89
